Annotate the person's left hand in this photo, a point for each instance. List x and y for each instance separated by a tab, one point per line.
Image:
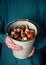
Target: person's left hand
32	52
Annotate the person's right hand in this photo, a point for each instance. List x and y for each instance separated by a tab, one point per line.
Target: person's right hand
11	44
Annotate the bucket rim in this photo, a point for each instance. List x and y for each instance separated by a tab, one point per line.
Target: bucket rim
30	21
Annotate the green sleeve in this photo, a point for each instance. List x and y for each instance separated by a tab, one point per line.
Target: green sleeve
40	41
2	38
2	21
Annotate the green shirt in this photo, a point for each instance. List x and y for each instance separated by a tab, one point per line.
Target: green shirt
11	10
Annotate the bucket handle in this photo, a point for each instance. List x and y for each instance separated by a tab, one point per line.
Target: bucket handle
22	20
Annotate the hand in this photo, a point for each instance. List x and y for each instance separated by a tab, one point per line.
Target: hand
11	44
32	52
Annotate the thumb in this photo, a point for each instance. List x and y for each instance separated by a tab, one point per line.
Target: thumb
32	52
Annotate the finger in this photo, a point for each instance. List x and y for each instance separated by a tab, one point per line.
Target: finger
8	38
32	52
9	43
12	44
13	47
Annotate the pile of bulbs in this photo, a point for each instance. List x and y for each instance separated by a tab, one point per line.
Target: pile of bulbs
22	32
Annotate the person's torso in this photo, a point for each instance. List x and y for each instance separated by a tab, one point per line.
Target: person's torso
30	9
15	9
